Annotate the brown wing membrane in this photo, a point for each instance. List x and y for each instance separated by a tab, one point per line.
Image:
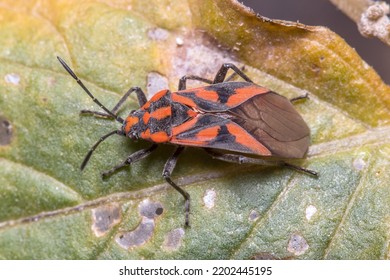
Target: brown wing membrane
273	121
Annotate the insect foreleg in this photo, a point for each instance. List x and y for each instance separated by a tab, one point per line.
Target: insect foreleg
131	159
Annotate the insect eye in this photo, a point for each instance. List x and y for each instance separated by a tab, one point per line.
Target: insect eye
132	112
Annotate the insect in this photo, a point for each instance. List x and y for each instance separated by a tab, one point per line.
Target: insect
238	122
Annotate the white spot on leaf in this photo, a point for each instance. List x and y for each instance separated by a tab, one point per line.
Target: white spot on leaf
12	78
359	164
310	211
209	198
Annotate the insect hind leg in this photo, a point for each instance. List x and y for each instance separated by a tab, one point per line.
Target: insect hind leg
222	72
221	76
168	169
183	81
303	96
240	159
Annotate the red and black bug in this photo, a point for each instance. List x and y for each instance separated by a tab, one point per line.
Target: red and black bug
237	122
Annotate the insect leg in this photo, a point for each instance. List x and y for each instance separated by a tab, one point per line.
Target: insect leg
131	159
248	160
183	81
221	74
168	169
233	76
140	96
303	96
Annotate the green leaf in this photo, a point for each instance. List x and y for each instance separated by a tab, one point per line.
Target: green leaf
52	210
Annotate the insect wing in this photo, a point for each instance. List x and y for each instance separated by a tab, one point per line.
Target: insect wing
242	117
217	132
273	121
218	97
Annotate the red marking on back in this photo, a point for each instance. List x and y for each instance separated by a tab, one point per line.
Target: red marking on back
161	113
184	126
243	94
188	142
130	122
247	140
208	134
158	95
146	106
145	134
157	137
202	137
191	113
146	117
183	100
160	137
155	98
210	95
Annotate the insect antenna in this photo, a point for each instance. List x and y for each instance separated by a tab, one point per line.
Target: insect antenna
70	71
104	137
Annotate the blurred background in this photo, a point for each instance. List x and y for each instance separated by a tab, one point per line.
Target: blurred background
324	13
